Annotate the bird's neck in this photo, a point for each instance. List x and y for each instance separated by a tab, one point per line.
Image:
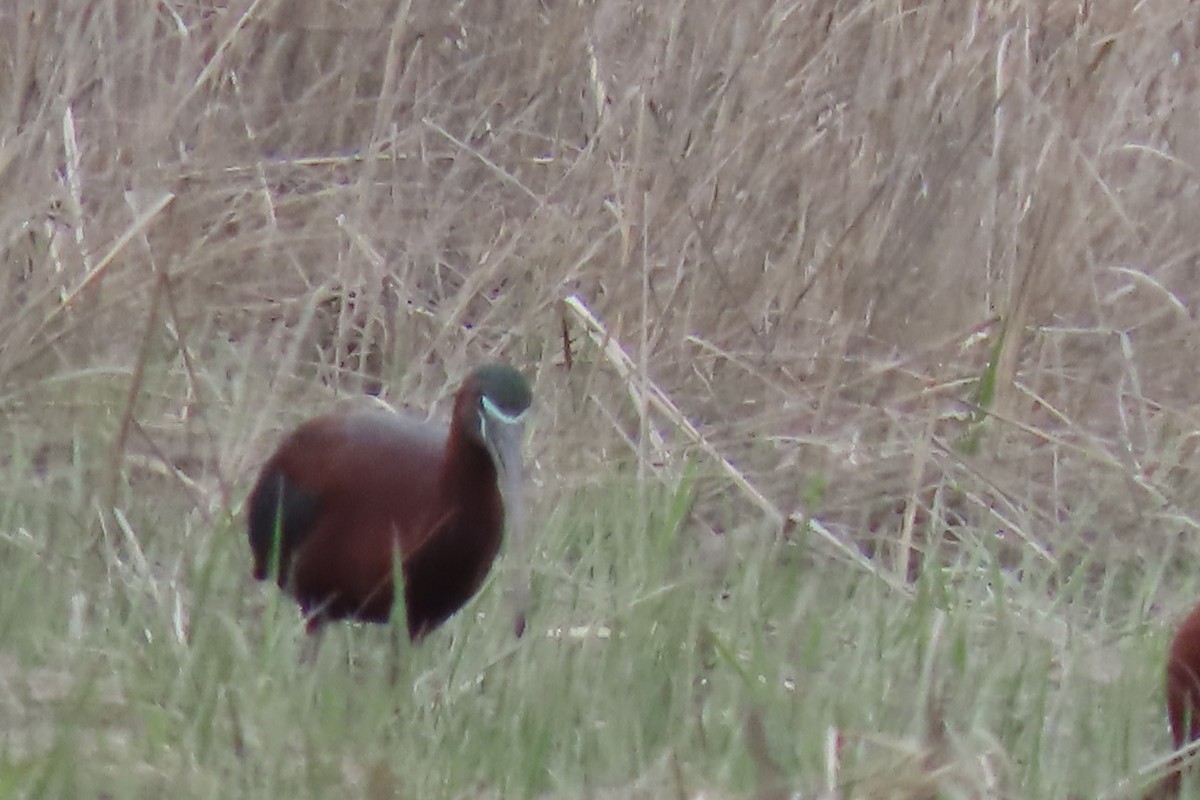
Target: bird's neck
468	478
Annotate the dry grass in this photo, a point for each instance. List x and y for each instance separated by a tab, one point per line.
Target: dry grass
923	272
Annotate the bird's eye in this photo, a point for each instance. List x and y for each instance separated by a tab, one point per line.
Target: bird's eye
491	409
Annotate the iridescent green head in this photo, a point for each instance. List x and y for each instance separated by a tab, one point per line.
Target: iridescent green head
491	410
504	393
497	397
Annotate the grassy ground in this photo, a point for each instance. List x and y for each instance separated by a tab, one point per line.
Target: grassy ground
160	670
860	331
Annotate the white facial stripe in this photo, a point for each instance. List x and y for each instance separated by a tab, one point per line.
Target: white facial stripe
498	413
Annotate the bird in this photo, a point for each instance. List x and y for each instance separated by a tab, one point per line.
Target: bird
348	500
1183	699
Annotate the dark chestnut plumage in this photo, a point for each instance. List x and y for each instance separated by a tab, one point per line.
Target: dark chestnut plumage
1183	694
345	498
1183	681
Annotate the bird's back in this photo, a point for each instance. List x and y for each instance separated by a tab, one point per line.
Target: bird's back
349	490
1183	681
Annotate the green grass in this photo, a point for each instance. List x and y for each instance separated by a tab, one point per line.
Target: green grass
796	238
641	674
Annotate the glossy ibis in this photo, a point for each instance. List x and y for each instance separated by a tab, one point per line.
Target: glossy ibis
1183	694
347	497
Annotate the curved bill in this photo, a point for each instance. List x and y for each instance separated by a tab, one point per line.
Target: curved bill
503	434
